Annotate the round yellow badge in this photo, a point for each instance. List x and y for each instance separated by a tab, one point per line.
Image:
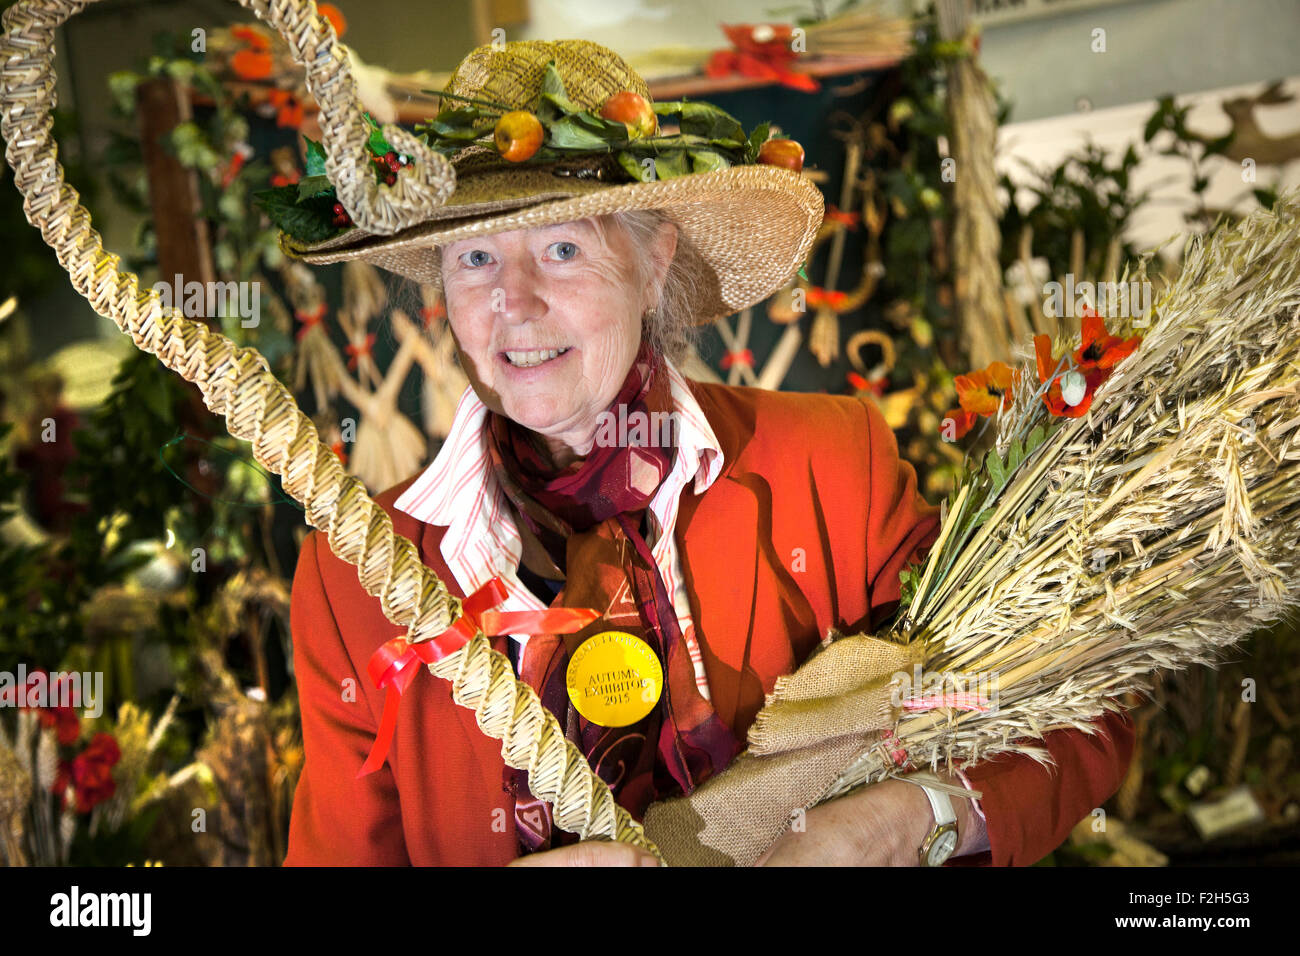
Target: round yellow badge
614	679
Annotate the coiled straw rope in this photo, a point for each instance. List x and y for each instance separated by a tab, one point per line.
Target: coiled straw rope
237	382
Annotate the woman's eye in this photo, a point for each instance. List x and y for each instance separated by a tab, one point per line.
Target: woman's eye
564	250
475	257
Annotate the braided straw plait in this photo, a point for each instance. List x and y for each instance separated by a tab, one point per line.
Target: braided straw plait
238	383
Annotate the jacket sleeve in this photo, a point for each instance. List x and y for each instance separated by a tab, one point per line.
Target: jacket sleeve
337	820
1029	809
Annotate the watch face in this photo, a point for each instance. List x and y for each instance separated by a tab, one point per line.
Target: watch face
942	848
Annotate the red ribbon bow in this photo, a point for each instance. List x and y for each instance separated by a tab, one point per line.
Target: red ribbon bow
744	356
392	666
818	296
358	350
862	384
764	67
309	320
430	313
848	219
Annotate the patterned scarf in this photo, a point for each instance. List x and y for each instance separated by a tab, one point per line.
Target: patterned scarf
589	517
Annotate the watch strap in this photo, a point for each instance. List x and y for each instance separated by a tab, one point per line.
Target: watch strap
945	818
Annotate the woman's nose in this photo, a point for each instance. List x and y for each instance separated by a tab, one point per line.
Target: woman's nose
517	299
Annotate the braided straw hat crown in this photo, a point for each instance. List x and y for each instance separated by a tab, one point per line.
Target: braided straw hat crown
752	225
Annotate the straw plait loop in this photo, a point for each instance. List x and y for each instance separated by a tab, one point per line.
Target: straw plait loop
237	383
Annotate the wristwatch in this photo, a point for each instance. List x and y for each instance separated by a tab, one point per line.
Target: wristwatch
938	846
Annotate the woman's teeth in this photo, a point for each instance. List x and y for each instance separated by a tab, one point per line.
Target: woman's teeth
534	357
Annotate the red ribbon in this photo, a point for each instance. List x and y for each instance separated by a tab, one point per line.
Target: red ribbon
848	219
745	357
765	66
309	320
818	296
862	384
430	313
358	350
393	666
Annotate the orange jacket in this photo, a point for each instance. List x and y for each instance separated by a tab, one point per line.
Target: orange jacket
808	525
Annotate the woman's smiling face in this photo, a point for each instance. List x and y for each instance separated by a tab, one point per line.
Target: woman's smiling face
548	321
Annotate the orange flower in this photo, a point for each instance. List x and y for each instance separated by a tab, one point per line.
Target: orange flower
1099	347
255	38
985	391
288	106
335	16
1054	399
251	64
961	419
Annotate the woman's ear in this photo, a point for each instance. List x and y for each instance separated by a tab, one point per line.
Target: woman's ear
662	251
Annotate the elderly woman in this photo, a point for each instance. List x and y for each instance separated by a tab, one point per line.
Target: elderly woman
726	544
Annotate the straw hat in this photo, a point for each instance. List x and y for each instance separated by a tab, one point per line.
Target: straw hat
753	225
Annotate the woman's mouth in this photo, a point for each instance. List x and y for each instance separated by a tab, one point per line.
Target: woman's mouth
533	357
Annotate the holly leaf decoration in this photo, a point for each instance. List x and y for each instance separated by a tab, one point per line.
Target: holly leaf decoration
310	186
308	220
377	144
315	158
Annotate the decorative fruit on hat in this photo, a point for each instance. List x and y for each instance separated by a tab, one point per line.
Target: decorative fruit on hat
556	128
632	110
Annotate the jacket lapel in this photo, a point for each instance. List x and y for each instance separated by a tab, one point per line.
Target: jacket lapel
718	532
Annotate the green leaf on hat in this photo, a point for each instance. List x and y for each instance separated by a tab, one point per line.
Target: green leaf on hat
635	166
568	133
756	140
668	107
457	124
707	120
671	164
553	92
707	161
306	221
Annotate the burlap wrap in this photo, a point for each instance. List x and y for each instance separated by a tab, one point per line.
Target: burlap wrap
814	723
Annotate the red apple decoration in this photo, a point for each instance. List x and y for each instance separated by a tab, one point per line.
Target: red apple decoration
518	135
781	152
632	110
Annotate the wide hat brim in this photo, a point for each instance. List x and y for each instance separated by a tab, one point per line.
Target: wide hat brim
753	225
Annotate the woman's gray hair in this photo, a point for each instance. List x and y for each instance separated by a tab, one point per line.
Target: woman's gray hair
670	329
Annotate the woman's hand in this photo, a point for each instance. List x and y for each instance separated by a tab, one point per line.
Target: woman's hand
590	853
881	825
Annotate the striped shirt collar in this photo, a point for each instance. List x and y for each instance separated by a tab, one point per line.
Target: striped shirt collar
460	492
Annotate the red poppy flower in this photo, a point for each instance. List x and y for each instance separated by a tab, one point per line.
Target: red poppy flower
962	421
64	720
1054	368
255	38
985	391
90	774
288	107
251	64
1099	347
